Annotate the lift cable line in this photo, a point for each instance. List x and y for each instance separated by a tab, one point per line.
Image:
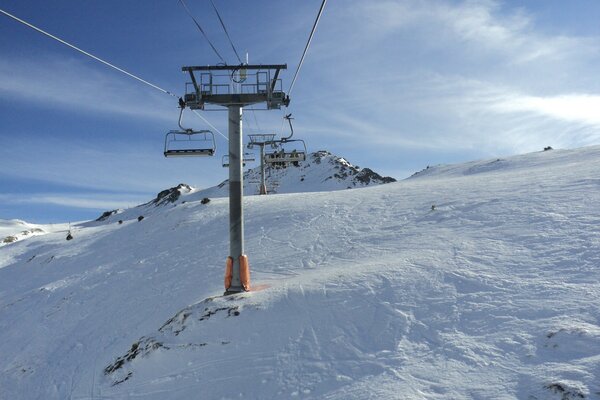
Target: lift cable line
105	63
202	31
255	119
312	32
209	124
87	54
226	33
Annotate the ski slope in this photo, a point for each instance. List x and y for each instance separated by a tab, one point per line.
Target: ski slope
12	230
494	293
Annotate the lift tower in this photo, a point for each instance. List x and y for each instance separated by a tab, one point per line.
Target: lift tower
262	140
235	87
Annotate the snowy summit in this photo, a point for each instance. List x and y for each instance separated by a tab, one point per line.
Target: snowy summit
321	171
470	281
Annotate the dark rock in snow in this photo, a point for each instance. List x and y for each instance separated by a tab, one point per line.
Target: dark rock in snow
170	195
367	176
106	214
566	392
10	239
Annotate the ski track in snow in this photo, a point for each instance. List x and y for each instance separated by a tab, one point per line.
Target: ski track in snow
495	293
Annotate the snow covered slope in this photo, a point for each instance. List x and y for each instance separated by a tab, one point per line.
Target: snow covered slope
494	293
321	171
12	230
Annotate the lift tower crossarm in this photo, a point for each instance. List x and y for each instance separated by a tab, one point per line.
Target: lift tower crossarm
243	85
276	67
274	80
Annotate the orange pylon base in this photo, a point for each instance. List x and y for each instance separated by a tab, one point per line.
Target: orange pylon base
244	272
228	272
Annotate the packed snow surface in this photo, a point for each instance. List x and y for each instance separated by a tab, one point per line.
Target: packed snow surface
13	230
472	281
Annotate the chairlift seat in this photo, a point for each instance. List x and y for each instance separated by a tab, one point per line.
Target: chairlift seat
189	153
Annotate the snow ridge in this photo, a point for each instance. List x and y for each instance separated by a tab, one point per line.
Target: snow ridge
14	230
321	171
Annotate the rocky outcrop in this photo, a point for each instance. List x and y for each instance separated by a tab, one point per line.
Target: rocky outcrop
171	195
367	175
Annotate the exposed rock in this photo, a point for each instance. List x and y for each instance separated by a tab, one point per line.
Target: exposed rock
170	195
10	239
367	175
106	214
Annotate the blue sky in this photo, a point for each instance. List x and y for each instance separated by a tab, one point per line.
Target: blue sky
392	85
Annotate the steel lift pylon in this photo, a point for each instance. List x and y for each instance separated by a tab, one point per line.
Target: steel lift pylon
235	87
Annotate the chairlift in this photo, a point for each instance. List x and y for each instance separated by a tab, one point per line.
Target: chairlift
248	157
286	153
188	142
69	234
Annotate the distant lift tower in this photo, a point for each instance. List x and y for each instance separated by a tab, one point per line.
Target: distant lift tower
262	140
235	87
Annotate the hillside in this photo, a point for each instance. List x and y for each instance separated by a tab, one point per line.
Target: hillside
471	281
320	172
12	230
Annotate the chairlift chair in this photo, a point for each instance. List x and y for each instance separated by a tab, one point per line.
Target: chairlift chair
189	142
287	154
248	157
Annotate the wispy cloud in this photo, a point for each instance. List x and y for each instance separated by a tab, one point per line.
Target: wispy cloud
447	113
578	108
478	27
467	76
120	166
93	201
68	83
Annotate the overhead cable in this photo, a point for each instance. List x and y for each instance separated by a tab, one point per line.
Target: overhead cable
105	63
87	54
312	32
226	33
255	119
209	124
202	31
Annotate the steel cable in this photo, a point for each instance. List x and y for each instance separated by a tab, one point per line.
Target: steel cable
226	33
312	32
106	63
202	31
